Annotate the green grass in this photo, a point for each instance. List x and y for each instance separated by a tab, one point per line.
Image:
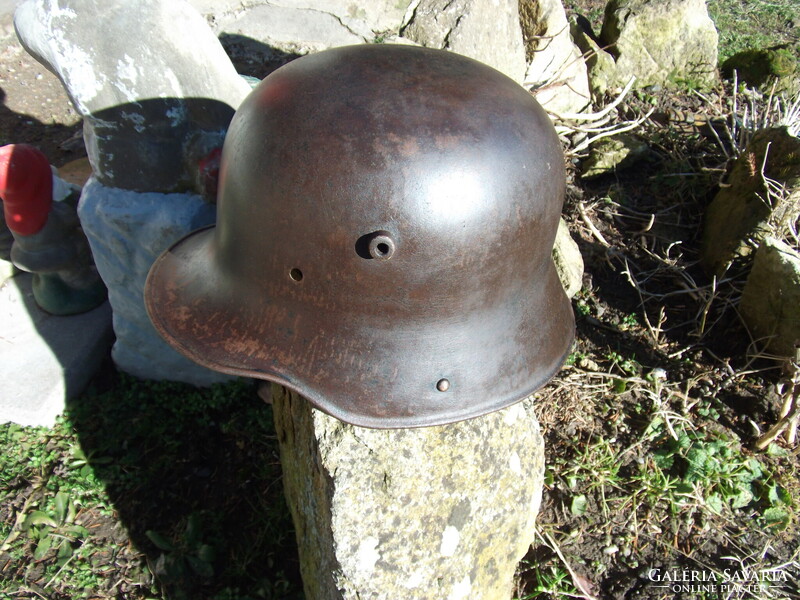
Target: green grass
153	490
690	469
754	24
551	580
677	465
658	475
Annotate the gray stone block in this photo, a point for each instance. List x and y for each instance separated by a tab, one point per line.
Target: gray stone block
271	20
293	30
155	97
433	513
127	231
568	260
770	302
670	42
46	360
486	30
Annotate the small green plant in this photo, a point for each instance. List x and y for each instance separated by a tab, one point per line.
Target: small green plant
628	366
575	358
624	369
629	321
54	529
596	466
700	466
549	580
583	308
185	558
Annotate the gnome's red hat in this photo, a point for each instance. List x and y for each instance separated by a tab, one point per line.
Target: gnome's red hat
26	187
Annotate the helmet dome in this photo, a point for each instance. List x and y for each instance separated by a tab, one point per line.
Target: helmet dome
386	216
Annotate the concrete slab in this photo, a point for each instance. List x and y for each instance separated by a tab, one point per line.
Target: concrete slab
45	359
7	271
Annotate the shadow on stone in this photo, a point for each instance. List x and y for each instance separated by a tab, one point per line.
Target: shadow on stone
195	478
46	358
253	58
155	144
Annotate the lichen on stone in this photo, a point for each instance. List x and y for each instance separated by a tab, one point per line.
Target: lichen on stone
533	26
761	196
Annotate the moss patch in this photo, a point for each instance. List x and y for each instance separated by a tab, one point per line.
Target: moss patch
757	67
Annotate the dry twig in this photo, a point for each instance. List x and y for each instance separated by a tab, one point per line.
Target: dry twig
580	582
592	229
790	410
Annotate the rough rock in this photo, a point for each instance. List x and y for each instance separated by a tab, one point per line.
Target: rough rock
292	30
600	64
568	259
365	19
155	98
743	212
486	30
770	304
52	358
127	231
276	30
434	513
671	43
763	67
556	72
613	154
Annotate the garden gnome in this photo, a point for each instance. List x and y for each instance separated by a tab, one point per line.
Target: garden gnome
48	240
156	92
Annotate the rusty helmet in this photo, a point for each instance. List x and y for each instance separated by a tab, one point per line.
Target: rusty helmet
385	220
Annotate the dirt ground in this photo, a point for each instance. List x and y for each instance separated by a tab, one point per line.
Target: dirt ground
34	109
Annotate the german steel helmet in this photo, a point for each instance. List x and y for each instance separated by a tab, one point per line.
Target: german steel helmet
385	221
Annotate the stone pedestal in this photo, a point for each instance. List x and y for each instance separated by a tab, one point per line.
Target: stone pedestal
439	513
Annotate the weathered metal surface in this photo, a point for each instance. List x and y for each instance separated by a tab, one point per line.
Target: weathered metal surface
385	222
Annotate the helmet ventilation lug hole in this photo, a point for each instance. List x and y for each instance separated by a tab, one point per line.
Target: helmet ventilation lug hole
296	274
381	247
378	245
443	385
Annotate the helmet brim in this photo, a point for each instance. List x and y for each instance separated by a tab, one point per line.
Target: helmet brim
369	373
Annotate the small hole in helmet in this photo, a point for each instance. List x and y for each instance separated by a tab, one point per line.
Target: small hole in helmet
378	245
296	274
443	385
